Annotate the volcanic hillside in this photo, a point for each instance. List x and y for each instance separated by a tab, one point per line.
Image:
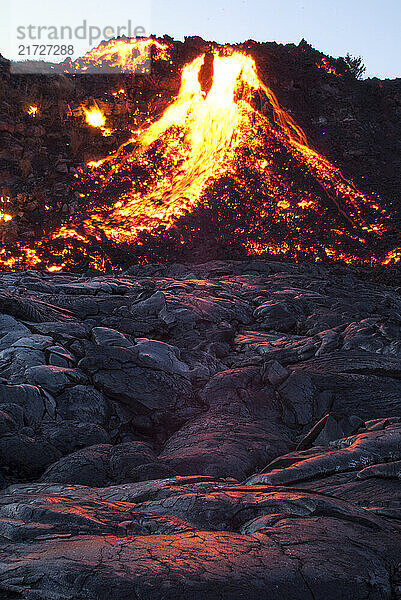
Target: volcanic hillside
216	152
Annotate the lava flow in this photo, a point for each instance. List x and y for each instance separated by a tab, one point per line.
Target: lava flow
121	55
225	146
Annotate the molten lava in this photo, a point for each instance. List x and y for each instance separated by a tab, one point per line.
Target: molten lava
223	139
200	132
94	116
32	111
123	55
393	257
326	66
201	135
5	217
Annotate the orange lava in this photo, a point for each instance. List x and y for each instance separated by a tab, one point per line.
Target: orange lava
326	66
32	111
26	258
129	55
94	116
393	257
201	133
201	138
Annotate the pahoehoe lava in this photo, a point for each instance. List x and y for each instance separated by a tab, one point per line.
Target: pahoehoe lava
225	430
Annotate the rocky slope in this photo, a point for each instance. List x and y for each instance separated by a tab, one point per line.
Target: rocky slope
355	124
226	430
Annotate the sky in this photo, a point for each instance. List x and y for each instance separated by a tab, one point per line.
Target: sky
367	28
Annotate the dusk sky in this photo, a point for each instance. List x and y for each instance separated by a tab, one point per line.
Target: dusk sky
362	27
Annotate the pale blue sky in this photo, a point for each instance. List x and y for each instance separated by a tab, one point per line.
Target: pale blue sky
370	28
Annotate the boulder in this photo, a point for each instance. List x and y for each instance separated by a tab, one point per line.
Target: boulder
54	379
83	404
89	466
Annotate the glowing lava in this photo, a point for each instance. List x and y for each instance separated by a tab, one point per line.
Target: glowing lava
94	116
4	217
200	136
393	257
223	136
125	55
201	131
32	111
326	66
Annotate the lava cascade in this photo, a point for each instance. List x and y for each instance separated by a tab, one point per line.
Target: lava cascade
222	135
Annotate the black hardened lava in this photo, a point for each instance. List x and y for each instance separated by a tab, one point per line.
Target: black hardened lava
222	430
